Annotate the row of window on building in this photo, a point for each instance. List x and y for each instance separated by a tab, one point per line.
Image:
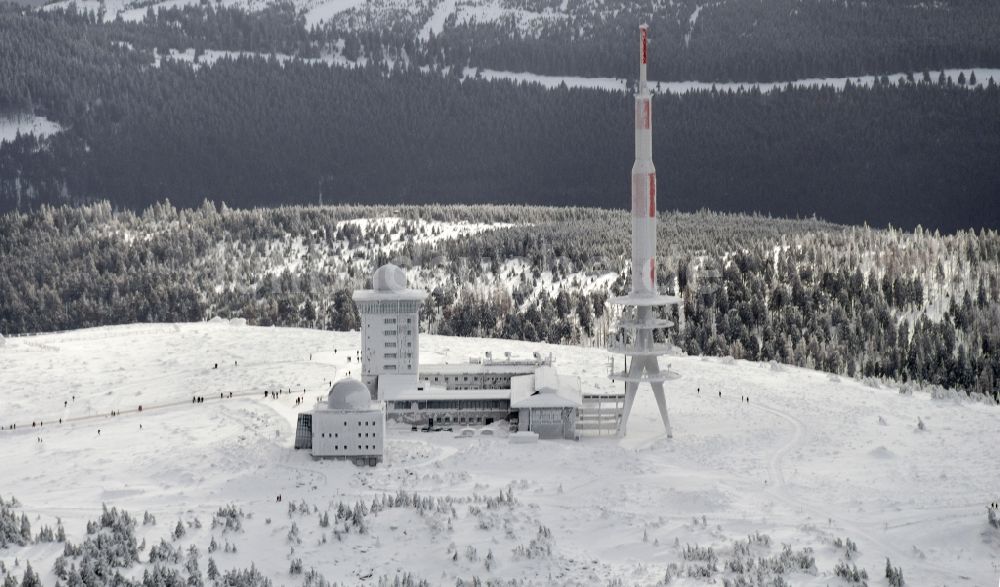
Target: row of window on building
479	381
388	307
334	435
475	404
393	320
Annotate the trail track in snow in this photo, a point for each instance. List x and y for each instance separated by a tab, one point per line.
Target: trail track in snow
858	531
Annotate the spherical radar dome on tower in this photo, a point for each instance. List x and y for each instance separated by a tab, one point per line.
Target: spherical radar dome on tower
389	277
349	394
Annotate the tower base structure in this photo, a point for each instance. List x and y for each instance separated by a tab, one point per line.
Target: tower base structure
637	343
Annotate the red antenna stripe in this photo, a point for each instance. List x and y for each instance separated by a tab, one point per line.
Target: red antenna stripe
652	195
643	31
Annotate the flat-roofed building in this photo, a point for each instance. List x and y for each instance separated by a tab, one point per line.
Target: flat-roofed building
347	426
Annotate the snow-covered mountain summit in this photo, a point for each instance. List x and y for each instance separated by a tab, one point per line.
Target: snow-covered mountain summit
810	462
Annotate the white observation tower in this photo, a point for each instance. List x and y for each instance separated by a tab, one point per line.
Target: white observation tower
390	330
635	328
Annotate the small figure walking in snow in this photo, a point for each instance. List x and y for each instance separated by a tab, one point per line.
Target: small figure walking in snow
720	393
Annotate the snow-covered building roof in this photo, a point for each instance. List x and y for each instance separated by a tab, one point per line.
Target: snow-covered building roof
349	394
477	368
546	388
391	384
440	393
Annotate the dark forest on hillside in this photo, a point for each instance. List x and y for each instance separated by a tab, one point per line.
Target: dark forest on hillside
776	40
256	131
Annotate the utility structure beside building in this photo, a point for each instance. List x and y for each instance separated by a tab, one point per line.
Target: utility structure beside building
635	330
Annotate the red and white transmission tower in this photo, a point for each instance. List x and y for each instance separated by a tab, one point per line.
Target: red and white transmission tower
636	327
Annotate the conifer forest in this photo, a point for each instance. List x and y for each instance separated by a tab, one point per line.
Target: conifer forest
914	306
261	109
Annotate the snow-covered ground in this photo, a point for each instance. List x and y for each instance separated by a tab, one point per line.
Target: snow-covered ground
807	461
983	76
319	11
26	124
135	10
436	22
692	21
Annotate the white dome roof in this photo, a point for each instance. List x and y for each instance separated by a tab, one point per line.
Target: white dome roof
349	394
389	277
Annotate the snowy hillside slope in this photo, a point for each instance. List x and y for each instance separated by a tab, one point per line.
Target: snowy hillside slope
12	126
528	19
810	461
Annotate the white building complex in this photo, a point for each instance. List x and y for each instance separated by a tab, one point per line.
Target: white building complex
528	393
477	393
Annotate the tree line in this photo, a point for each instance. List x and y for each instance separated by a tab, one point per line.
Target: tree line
905	306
